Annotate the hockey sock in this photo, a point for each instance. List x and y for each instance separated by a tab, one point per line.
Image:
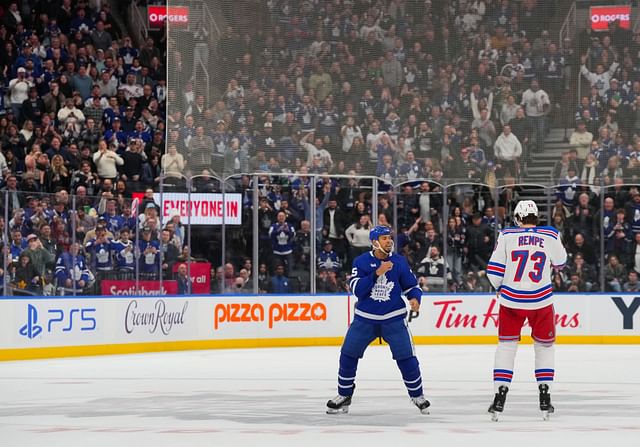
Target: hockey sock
545	363
346	374
410	370
503	366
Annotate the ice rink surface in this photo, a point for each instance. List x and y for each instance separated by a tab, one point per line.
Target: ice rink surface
276	397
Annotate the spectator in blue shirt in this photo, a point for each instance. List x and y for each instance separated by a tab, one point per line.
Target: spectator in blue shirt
279	283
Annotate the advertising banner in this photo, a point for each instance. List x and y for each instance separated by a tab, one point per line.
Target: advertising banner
120	324
177	15
145	288
206	209
200	277
601	16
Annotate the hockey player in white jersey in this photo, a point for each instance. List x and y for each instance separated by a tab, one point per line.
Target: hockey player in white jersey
520	269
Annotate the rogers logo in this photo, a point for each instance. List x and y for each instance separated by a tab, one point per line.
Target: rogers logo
276	312
597	18
173	18
177	15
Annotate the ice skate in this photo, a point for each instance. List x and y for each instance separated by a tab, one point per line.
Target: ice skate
498	402
339	404
422	404
545	401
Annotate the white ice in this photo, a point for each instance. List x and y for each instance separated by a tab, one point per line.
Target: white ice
276	397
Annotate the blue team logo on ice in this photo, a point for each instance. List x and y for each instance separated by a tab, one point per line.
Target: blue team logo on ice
382	289
32	329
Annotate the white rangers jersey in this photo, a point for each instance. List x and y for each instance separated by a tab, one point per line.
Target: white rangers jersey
521	265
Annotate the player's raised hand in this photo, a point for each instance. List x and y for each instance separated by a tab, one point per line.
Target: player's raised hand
414	304
384	268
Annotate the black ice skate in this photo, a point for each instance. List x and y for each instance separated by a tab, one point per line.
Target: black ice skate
339	404
422	404
545	401
498	402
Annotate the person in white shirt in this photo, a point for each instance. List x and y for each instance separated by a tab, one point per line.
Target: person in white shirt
173	163
357	235
349	132
316	151
581	139
508	150
107	161
537	106
599	79
70	117
19	91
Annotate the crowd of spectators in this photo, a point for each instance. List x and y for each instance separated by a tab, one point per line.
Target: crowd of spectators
82	127
413	92
416	92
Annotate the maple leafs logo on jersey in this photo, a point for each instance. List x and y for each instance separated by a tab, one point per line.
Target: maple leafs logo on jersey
382	289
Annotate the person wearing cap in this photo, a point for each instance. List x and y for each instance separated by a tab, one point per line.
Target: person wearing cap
38	255
327	258
129	119
615	96
150	254
33	107
19	92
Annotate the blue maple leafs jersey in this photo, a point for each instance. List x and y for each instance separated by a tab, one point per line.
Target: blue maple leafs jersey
380	297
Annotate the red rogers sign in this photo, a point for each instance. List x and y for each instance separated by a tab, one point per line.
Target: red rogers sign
177	15
601	16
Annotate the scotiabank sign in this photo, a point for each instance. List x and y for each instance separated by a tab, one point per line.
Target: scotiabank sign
176	15
602	16
145	288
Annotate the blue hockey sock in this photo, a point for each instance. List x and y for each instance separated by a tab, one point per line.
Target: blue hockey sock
347	374
410	369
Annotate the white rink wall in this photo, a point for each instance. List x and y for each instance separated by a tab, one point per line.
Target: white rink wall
71	326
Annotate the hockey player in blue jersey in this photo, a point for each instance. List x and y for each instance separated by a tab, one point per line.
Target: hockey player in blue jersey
379	279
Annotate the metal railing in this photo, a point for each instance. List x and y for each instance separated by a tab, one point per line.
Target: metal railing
568	28
138	22
447	191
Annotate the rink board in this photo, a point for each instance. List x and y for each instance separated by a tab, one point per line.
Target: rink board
78	326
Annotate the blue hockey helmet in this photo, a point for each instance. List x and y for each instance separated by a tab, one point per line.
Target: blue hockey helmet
378	231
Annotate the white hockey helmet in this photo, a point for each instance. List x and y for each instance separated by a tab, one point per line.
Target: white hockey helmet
523	209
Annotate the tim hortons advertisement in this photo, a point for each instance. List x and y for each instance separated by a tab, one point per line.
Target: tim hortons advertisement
176	15
200	277
114	287
602	16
